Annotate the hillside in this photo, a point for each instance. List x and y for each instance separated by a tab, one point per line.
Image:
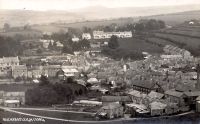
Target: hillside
96	14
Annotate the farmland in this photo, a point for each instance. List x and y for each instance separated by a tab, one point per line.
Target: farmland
134	44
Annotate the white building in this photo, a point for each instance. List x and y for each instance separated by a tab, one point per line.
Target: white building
86	36
105	35
75	39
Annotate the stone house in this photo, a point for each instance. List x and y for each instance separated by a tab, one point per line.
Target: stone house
112	110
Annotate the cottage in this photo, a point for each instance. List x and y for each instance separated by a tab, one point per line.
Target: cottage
136	96
157	108
175	97
191	97
137	109
110	111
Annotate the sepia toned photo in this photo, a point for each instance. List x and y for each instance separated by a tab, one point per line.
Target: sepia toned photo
99	61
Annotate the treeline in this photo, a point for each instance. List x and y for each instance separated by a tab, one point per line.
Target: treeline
10	46
115	52
122	53
48	93
66	40
142	25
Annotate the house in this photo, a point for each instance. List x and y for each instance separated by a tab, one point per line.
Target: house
105	35
14	92
67	71
191	97
19	71
110	111
157	108
7	62
59	44
136	96
137	109
14	99
86	36
35	72
75	39
146	86
110	99
173	50
50	70
175	97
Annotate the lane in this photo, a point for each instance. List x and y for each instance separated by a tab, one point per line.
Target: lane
51	109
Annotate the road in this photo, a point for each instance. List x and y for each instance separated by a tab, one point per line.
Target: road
117	121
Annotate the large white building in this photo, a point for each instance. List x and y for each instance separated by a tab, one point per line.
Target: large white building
105	35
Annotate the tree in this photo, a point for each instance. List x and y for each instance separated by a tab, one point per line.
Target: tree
84	43
6	27
44	81
39	51
113	43
50	46
67	49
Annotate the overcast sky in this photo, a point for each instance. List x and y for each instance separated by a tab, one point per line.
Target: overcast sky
76	4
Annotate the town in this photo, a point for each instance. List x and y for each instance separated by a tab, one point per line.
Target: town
109	70
87	72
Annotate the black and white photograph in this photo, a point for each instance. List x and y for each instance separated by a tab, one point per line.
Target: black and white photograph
99	61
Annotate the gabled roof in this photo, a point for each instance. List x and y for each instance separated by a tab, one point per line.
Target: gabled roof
158	105
155	95
184	88
144	83
136	94
192	93
174	93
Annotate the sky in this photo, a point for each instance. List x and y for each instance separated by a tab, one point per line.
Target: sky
77	4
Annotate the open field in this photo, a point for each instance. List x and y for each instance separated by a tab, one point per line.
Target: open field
134	44
190	42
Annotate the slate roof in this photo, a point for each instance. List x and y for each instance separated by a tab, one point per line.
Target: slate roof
144	83
173	93
192	93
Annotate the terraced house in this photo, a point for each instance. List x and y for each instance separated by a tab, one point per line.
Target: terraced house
105	35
